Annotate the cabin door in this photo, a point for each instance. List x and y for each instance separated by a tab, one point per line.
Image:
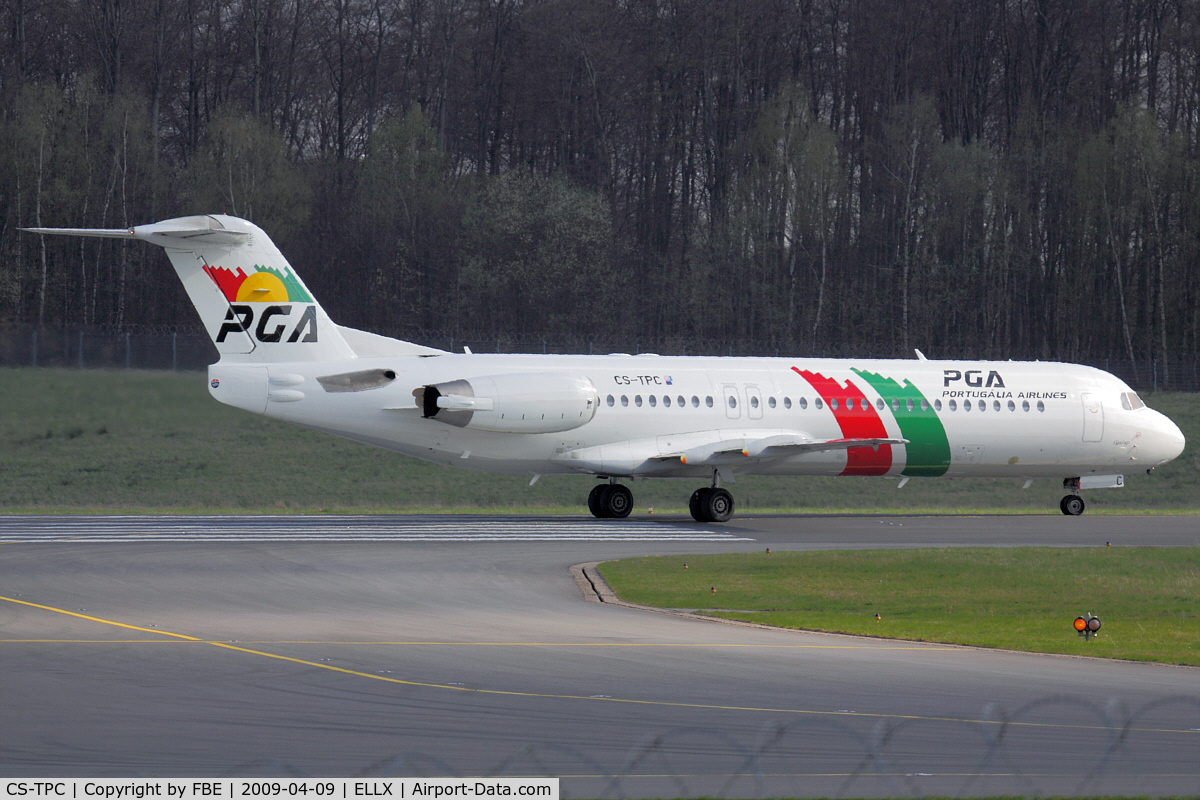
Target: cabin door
1093	418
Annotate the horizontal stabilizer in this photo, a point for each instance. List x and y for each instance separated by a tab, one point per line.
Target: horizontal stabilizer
168	233
97	233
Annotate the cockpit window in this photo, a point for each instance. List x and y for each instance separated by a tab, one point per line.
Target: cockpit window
1131	402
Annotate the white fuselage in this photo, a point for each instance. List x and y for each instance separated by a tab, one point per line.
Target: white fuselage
985	419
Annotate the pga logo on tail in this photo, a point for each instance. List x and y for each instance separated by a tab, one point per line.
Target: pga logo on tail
272	323
261	286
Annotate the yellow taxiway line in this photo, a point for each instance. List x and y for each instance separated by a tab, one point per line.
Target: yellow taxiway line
550	696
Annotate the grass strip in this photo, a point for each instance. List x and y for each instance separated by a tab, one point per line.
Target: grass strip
1022	598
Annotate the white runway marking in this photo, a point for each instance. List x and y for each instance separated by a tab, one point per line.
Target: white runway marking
95	530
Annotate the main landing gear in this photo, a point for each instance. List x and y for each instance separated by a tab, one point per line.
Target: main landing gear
610	501
614	501
711	505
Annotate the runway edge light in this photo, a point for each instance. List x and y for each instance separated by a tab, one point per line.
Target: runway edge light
1087	626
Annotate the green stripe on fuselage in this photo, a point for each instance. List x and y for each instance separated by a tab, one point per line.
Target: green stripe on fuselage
928	452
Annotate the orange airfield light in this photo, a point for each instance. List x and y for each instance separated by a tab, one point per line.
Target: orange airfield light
1087	626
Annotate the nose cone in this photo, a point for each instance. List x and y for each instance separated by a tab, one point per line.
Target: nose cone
1167	442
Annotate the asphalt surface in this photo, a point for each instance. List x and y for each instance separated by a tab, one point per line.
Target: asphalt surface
343	646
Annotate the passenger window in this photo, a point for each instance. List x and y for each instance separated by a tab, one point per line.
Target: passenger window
625	401
995	405
708	401
667	400
817	404
924	404
1025	405
954	405
653	401
909	404
863	404
833	403
803	403
1012	406
695	401
771	402
637	400
1041	406
681	401
937	405
879	403
895	404
611	401
732	401
787	402
753	402
966	405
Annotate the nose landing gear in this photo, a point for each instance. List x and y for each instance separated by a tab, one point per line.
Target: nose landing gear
1072	505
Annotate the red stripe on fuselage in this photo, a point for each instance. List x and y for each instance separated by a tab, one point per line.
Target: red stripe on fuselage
855	422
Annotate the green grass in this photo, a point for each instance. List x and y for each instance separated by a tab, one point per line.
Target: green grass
156	441
1015	598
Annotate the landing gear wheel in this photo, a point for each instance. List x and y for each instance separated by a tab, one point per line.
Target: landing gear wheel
718	505
594	500
1072	505
696	505
617	501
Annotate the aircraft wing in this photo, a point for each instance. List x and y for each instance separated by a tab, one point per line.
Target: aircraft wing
779	445
682	453
784	446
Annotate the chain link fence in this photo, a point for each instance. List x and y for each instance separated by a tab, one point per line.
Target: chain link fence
1058	745
189	348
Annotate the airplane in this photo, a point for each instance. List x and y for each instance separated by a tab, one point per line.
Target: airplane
619	416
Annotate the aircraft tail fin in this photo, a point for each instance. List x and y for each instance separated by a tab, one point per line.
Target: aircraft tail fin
251	301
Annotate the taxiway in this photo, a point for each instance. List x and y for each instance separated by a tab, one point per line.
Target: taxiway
445	646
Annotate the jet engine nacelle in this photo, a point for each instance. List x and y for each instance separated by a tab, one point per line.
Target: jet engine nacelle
545	402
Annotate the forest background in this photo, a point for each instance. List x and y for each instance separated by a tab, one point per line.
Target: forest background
977	178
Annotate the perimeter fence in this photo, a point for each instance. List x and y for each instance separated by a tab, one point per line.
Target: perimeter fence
188	347
1061	745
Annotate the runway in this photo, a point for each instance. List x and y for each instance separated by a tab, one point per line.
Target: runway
446	646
